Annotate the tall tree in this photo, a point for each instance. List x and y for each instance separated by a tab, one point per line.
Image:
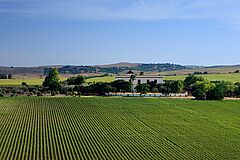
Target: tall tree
143	88
132	78
51	81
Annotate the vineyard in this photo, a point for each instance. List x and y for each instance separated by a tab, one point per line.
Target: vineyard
118	128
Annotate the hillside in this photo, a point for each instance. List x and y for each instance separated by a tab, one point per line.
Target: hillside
121	64
210	69
118	68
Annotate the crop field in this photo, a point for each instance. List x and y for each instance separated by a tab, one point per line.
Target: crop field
101	79
118	128
38	81
211	77
16	82
28	80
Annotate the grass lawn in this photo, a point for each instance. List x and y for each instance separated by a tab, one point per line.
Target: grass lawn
118	128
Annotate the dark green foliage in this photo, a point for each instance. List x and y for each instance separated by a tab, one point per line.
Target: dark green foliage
10	76
215	93
71	81
159	67
237	71
153	86
39	94
228	88
53	93
199	94
237	89
171	87
121	86
141	73
99	88
76	80
190	81
51	81
24	83
3	76
115	70
177	86
143	88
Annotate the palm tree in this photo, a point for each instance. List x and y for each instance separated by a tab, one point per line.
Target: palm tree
132	78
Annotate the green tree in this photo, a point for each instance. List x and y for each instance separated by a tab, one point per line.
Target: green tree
76	80
121	86
141	73
71	81
24	83
79	80
51	81
190	81
237	89
229	88
200	88
216	92
143	88
153	86
10	76
132	78
199	94
177	86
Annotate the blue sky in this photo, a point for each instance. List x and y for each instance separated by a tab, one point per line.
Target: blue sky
85	32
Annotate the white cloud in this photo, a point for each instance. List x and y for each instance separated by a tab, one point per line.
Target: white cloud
221	10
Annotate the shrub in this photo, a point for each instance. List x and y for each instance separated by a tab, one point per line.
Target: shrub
24	83
39	94
1	95
216	93
199	94
53	93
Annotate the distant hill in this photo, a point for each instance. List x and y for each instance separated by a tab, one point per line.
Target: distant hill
210	70
121	64
21	70
120	68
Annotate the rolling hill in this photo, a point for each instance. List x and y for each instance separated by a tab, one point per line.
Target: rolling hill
119	68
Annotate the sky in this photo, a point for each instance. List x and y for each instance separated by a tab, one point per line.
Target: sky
89	32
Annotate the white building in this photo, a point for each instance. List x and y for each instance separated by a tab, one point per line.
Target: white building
141	79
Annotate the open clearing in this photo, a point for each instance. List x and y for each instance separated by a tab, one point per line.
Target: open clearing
118	128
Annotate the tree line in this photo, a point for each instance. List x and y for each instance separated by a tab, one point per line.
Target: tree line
157	67
196	86
6	76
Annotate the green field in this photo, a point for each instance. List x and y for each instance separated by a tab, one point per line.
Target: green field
29	81
118	128
16	82
101	79
37	81
211	77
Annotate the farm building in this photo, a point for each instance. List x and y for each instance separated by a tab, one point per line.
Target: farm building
140	79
